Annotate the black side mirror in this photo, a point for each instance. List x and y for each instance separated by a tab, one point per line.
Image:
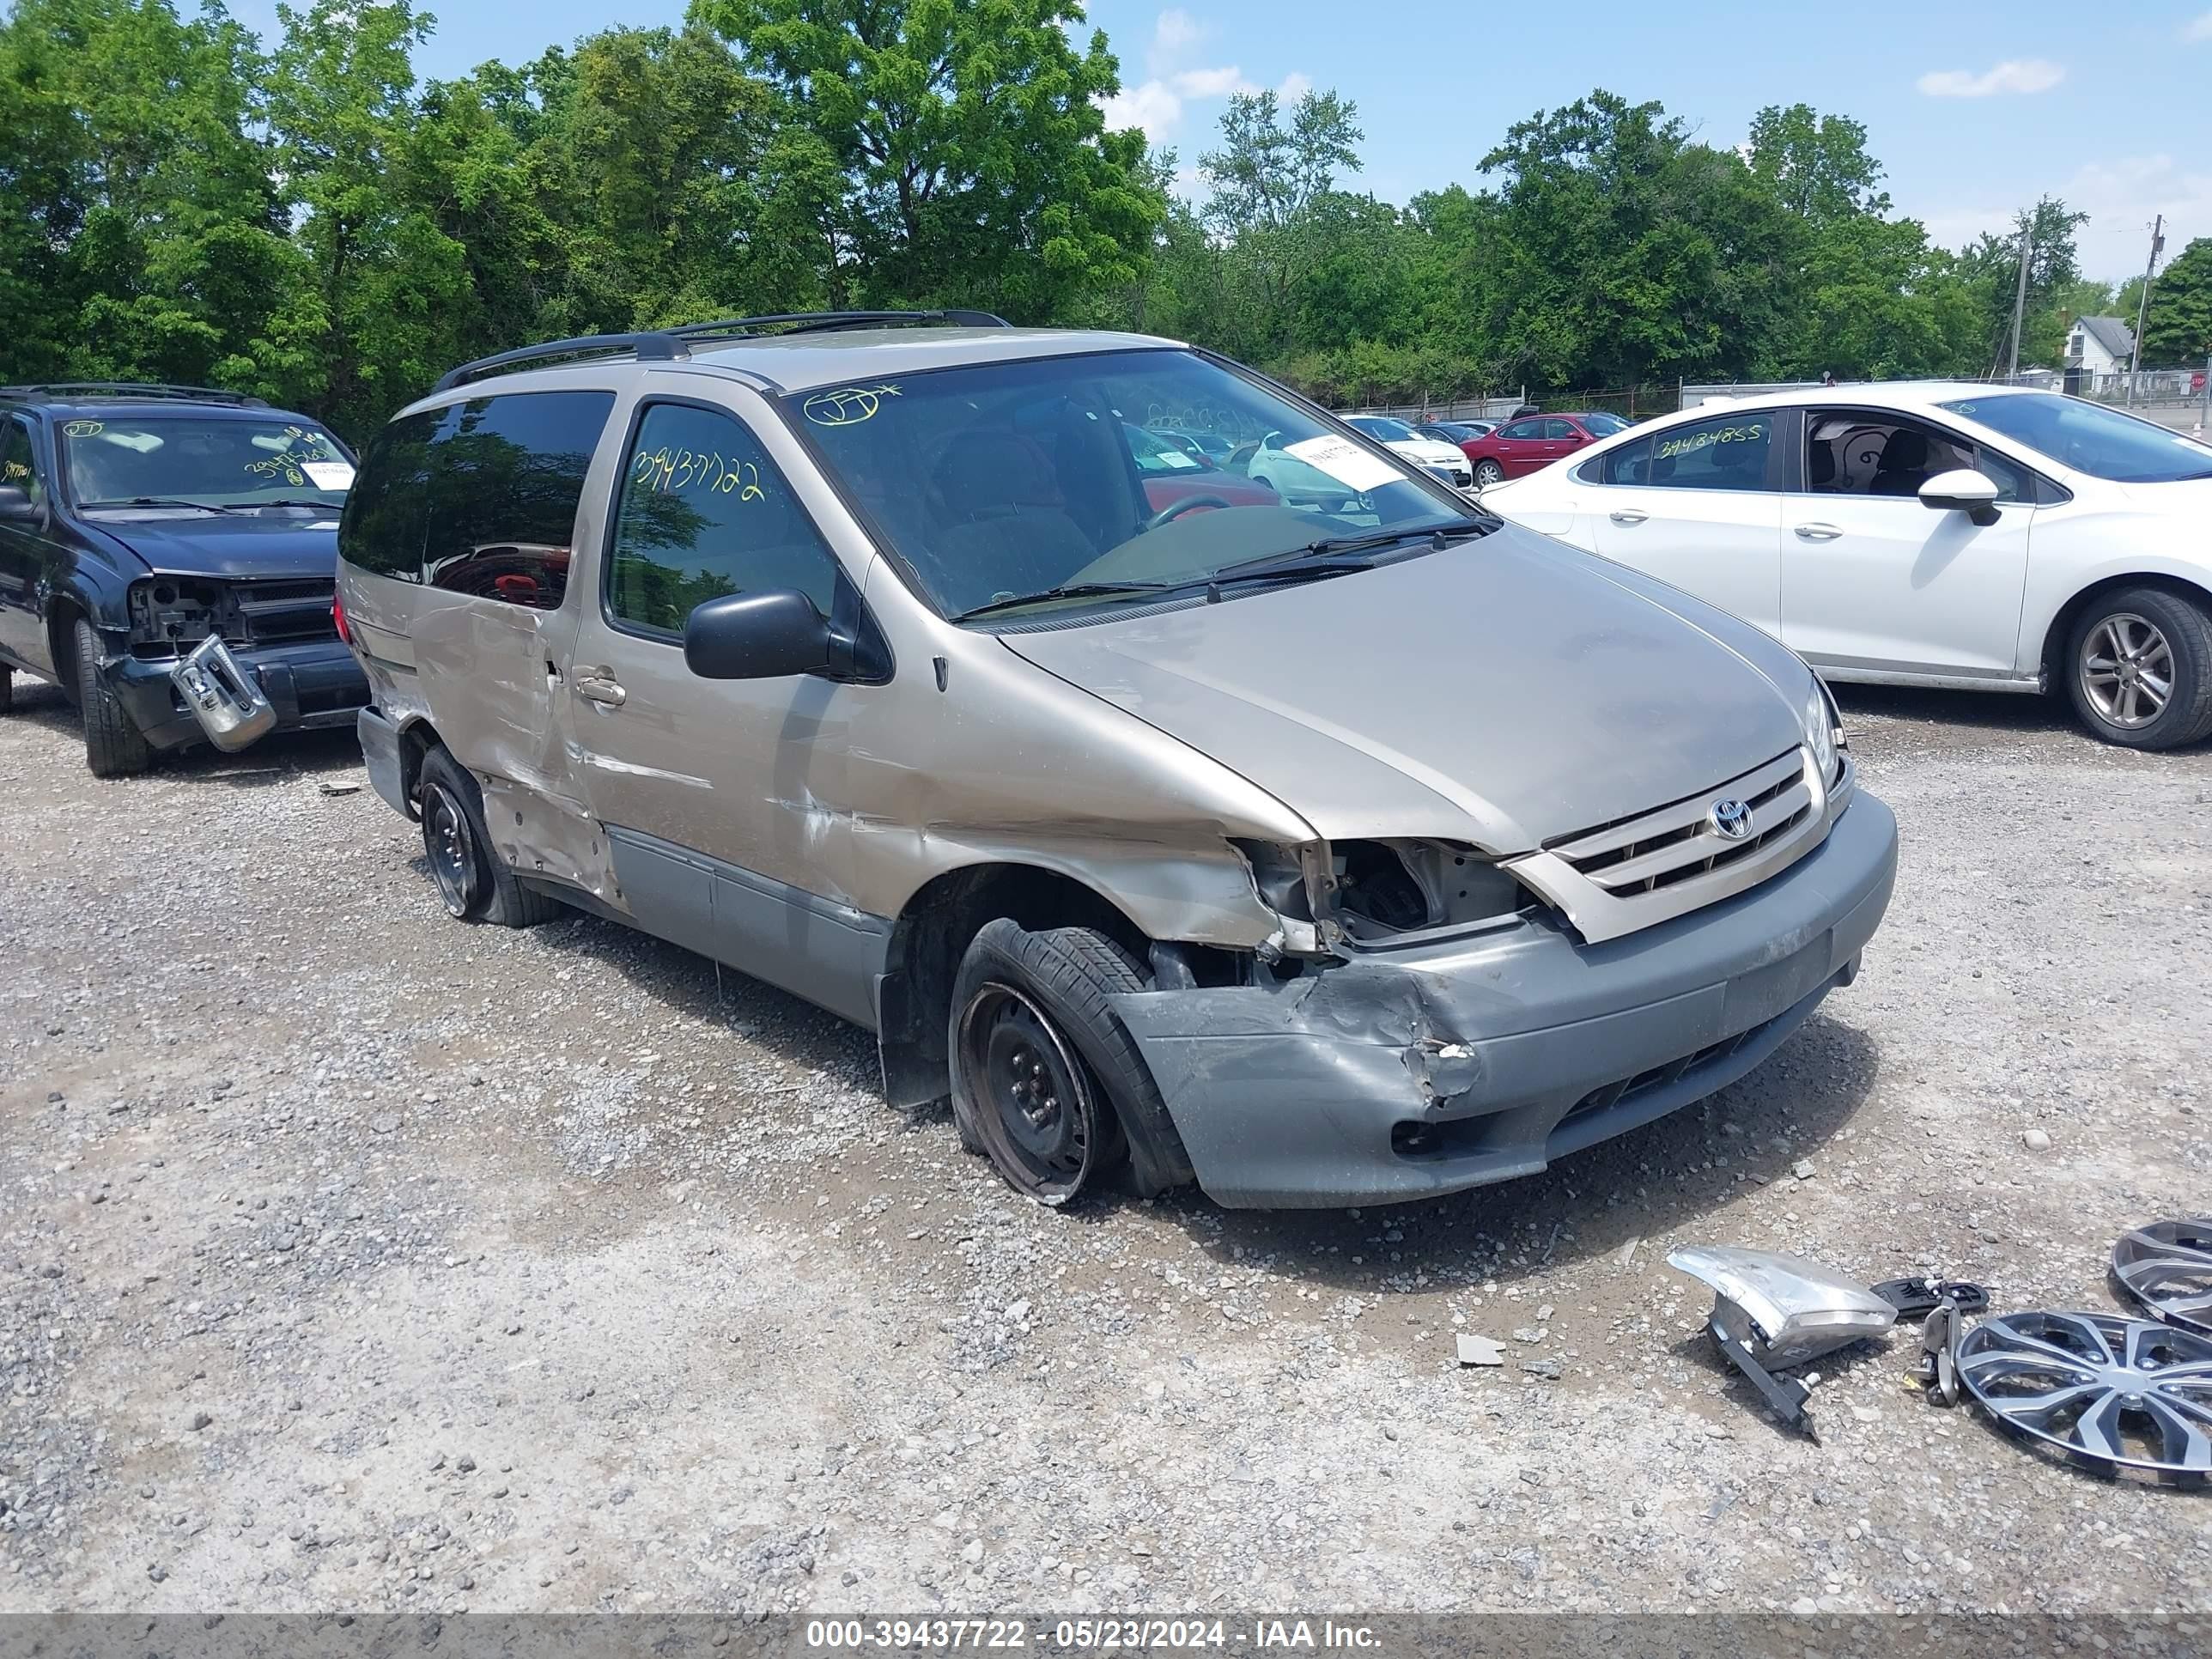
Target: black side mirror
16	506
766	635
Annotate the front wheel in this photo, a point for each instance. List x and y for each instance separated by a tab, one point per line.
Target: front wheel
114	746
1487	473
1042	1067
2139	667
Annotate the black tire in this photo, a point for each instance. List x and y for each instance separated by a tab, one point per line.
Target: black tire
1051	989
1486	473
472	882
7	689
2177	632
114	746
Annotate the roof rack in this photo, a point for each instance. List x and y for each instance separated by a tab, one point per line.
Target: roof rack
667	344
150	391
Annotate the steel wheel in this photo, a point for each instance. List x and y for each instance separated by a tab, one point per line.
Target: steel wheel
1040	1117
450	843
2109	1392
1487	473
2127	670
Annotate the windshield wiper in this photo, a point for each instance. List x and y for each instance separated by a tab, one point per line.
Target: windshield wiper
162	501
1439	533
287	501
1068	591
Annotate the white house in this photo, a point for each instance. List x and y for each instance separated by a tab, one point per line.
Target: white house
2100	345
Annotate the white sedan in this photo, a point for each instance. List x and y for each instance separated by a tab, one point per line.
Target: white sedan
1988	538
1446	461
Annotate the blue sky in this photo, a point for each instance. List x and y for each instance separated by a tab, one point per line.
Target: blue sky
1974	108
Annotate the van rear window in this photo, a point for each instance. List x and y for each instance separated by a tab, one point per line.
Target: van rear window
479	497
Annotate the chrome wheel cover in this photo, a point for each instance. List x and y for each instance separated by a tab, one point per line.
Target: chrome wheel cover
2166	1268
2108	1393
2126	670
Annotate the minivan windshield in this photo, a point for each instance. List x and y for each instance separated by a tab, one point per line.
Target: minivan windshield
2090	438
1002	484
210	461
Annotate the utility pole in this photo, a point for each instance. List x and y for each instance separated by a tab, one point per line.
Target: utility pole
2142	306
2020	298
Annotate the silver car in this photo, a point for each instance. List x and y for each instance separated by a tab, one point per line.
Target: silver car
1320	855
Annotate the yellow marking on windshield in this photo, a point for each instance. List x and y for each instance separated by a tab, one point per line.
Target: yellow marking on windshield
84	428
848	405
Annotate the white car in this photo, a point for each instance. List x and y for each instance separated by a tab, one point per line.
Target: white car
1447	461
1988	538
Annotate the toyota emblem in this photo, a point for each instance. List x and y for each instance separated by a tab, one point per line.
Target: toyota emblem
1731	819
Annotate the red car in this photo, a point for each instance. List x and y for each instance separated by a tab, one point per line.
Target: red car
1522	445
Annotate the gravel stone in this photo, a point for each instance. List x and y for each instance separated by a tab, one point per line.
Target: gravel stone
637	1164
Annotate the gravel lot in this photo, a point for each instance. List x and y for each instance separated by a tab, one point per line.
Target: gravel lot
351	1258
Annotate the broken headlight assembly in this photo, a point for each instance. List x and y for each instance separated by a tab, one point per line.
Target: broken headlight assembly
1379	892
169	615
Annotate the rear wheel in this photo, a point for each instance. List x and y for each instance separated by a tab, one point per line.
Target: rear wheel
114	746
2139	667
1042	1067
472	883
1486	473
7	689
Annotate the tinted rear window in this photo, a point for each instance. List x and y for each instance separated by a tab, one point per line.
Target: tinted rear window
479	497
381	529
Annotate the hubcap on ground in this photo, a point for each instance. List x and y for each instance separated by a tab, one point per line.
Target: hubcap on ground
452	846
2127	670
1031	1093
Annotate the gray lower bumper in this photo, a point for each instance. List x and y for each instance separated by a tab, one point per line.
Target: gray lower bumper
1402	1075
380	756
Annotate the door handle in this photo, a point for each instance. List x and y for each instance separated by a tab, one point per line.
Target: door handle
1818	532
1627	515
601	688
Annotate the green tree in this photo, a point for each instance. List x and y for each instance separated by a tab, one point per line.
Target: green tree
1624	253
675	184
976	166
1990	267
1817	165
2179	329
139	229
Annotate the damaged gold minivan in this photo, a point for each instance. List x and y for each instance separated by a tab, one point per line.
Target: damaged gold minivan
1335	849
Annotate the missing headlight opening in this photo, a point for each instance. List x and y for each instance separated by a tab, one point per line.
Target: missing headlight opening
170	614
1386	888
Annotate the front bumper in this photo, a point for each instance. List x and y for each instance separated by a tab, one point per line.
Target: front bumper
313	687
1401	1075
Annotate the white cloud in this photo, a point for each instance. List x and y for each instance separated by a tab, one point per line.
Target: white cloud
2013	75
2121	198
1174	34
2199	28
1209	83
1157	103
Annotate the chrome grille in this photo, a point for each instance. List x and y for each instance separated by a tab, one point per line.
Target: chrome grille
1654	867
1674	843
